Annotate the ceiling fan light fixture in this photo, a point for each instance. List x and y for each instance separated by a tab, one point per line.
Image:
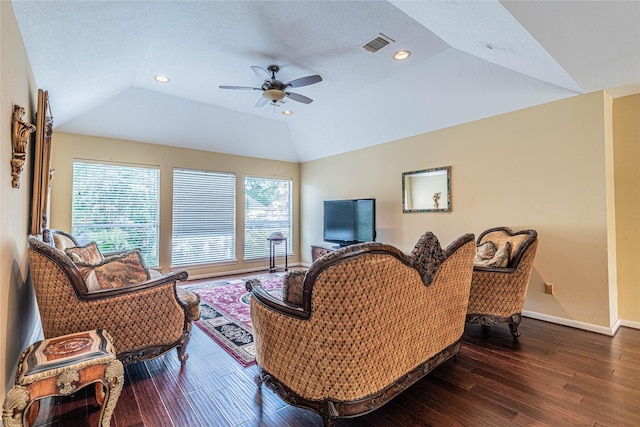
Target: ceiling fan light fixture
161	79
273	95
401	55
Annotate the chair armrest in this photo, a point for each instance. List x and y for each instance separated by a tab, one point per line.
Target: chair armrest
263	297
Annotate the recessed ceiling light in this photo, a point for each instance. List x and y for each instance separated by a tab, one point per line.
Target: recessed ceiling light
401	55
161	79
287	112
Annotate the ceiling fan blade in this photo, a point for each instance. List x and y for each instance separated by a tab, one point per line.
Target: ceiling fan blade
261	102
304	81
239	87
261	72
299	98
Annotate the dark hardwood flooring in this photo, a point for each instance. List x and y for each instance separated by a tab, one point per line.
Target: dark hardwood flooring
552	376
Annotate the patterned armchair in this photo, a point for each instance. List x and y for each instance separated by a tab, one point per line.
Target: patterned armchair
363	324
498	292
145	318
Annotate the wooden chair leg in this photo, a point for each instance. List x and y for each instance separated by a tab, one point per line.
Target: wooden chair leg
514	323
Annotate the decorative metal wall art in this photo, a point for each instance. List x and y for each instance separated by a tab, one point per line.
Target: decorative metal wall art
20	139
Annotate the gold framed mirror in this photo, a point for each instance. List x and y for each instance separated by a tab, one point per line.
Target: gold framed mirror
427	190
41	165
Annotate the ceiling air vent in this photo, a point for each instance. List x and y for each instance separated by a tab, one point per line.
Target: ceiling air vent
377	43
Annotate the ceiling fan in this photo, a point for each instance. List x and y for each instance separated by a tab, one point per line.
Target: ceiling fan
273	90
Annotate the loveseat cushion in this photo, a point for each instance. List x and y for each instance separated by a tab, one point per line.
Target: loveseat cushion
115	271
292	286
88	253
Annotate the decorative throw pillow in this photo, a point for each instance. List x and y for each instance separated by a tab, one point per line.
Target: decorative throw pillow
62	242
115	271
88	253
292	287
501	258
485	251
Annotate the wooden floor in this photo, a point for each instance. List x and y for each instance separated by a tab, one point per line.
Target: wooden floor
554	376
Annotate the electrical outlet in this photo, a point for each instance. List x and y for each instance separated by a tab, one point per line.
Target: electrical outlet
548	288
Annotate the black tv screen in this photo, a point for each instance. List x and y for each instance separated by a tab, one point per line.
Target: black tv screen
349	221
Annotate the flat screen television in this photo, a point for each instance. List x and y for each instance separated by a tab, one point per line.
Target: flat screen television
349	221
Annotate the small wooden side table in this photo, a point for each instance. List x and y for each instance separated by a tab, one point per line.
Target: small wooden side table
273	241
61	366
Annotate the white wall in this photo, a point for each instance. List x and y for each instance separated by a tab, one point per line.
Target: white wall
19	321
542	168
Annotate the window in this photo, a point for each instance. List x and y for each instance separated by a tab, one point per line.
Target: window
117	206
267	209
204	217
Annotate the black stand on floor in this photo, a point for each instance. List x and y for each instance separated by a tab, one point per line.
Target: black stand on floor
273	242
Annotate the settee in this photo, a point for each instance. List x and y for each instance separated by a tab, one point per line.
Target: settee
362	324
145	314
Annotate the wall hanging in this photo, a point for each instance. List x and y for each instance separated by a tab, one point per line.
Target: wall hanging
20	139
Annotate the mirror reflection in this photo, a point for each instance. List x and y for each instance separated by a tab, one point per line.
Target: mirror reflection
427	190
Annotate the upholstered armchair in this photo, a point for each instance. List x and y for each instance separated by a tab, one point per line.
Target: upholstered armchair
500	281
362	324
146	316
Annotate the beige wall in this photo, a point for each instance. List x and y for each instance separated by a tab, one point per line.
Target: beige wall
18	313
626	133
542	168
67	147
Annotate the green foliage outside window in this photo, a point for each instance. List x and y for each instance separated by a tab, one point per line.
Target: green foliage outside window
117	207
267	210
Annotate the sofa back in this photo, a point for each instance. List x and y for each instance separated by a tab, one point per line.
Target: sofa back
372	312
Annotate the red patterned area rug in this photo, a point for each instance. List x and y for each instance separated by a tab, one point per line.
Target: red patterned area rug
225	316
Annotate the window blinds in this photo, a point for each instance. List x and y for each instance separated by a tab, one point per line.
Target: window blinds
204	213
117	207
267	209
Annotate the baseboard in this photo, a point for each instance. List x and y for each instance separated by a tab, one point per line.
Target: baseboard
630	324
574	323
226	273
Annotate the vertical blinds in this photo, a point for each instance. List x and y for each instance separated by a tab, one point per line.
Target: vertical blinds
117	206
267	209
204	217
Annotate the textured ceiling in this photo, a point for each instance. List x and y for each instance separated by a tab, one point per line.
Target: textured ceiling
470	60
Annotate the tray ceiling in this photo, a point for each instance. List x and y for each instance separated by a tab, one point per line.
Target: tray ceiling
470	60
